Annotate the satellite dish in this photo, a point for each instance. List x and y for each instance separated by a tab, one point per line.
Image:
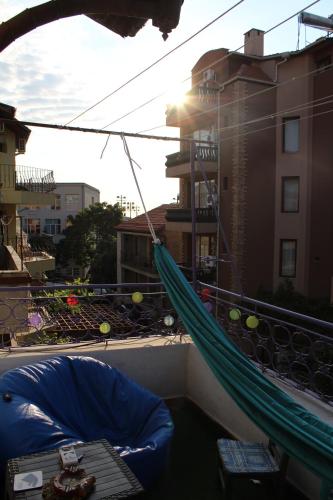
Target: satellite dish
323	23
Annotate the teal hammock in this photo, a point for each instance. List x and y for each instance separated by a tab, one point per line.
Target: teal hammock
300	433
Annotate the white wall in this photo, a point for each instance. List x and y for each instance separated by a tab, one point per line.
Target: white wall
204	390
179	370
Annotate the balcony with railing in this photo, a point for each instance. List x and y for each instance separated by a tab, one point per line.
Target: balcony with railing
142	264
33	179
26	185
135	328
180	219
178	164
199	101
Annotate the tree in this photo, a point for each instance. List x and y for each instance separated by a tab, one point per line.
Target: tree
90	242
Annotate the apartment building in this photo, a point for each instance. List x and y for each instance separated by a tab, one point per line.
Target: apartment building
135	247
19	185
69	198
270	120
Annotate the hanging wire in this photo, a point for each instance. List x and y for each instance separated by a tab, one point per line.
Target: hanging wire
245	98
106	143
211	64
150	225
298	32
154	63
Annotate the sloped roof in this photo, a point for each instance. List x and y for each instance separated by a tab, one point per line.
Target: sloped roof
139	224
249	71
20	130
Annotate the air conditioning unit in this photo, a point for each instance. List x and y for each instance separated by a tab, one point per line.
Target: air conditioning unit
2	128
21	145
209	74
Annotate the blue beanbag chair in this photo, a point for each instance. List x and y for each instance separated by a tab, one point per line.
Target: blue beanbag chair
73	399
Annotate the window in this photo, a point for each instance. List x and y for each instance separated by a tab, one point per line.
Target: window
208	134
92	200
57	202
206	251
288	250
31	226
203	198
291	134
72	200
3	147
225	183
52	226
209	74
290	194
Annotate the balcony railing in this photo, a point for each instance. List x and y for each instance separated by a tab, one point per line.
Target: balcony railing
204	98
185	215
34	179
140	262
204	94
205	153
292	347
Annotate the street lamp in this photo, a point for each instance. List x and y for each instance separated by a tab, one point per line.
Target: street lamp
127	206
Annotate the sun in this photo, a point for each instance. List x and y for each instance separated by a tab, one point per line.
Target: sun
177	96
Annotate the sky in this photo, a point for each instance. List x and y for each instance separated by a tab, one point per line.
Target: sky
58	70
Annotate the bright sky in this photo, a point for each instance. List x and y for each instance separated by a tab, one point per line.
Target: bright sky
58	70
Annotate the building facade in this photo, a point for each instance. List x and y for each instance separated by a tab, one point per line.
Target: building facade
19	185
69	198
269	165
135	246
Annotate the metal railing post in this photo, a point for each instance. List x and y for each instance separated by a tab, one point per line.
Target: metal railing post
194	237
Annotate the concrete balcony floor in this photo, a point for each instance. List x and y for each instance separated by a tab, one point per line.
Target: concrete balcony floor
192	473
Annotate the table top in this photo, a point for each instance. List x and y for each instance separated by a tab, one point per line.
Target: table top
114	479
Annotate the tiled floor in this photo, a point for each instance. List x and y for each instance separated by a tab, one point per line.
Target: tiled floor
192	470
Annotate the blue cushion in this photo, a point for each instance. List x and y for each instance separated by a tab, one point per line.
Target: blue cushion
71	399
239	457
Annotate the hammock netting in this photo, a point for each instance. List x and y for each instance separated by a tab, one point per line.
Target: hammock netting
300	433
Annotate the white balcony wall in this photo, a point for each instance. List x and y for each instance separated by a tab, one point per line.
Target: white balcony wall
178	370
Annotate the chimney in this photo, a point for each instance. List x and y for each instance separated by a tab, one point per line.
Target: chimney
254	42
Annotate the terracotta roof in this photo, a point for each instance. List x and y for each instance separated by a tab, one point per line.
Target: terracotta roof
139	223
247	71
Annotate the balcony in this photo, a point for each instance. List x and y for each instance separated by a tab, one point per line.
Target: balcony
178	164
289	348
139	264
26	185
200	101
180	219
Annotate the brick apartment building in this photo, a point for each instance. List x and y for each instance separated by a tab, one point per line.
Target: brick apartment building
271	118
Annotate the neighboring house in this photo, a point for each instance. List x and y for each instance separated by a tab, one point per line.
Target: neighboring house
272	173
69	198
19	185
135	246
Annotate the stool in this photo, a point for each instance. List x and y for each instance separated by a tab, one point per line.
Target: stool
243	460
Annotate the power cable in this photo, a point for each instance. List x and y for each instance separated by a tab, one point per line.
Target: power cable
207	67
259	92
154	63
141	136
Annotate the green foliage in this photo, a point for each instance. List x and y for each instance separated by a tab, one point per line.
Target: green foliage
91	241
42	243
287	297
45	338
58	298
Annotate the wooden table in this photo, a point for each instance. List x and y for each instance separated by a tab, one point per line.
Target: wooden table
114	479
